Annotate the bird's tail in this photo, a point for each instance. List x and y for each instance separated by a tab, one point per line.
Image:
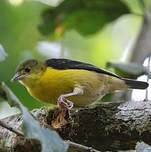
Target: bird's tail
134	84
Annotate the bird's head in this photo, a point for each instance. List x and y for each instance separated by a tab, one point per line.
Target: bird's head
29	70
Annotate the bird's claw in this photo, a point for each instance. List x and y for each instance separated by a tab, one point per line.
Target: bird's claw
65	103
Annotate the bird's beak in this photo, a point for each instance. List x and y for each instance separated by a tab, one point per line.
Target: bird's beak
17	77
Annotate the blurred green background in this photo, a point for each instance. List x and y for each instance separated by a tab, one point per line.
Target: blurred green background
93	31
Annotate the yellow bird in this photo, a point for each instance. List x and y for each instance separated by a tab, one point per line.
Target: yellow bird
68	82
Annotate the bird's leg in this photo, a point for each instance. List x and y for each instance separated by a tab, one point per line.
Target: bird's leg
63	102
65	106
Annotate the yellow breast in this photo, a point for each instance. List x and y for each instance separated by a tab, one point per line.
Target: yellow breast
54	83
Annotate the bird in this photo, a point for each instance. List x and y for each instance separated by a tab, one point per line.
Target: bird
70	83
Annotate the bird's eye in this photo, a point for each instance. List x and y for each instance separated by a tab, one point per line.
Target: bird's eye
27	69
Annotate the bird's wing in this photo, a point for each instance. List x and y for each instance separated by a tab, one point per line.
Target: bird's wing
63	64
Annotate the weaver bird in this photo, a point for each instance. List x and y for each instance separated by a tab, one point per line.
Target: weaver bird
68	82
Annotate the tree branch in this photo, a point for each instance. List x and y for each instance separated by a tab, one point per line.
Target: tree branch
79	148
17	132
106	127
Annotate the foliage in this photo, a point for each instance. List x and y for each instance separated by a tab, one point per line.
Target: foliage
98	43
19	36
86	16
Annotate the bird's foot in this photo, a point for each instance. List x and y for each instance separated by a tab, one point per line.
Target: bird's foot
62	115
65	103
60	118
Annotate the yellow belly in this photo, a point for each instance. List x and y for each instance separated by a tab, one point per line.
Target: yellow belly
54	83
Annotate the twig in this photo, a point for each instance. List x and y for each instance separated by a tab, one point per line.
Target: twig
79	147
17	132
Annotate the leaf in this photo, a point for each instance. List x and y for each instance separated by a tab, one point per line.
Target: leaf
3	54
50	140
85	16
142	147
128	70
3	94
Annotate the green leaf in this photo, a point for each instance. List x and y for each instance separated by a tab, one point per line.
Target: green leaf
3	54
128	70
85	16
7	95
3	94
50	140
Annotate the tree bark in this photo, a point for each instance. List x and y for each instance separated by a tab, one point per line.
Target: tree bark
112	126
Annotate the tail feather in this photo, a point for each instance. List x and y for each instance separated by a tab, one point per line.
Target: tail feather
134	84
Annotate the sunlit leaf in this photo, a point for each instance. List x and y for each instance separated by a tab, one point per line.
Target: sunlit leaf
50	140
128	70
86	16
3	54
